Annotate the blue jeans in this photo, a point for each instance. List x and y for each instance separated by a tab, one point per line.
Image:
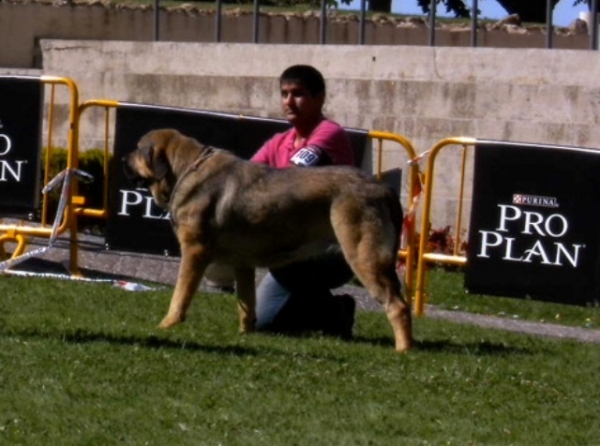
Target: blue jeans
271	298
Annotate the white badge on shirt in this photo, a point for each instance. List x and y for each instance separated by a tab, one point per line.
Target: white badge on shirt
307	156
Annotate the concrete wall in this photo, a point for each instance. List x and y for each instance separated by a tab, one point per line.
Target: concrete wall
423	93
23	23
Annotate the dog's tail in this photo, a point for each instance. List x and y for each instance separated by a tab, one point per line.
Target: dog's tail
396	213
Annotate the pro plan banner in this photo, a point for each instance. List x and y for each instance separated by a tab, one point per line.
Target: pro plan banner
135	222
21	102
535	223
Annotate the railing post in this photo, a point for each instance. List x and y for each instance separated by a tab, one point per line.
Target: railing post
361	23
549	28
218	9
432	11
323	23
156	20
594	27
255	21
474	14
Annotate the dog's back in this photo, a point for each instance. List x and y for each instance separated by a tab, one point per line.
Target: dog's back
270	217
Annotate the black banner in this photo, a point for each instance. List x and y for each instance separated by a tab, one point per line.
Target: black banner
535	226
135	222
21	105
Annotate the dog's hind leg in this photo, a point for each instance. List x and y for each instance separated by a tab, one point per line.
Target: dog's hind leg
374	263
382	283
246	295
193	263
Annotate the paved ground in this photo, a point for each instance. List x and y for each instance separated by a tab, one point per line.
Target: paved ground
96	262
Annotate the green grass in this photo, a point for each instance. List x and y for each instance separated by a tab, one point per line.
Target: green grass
83	364
445	290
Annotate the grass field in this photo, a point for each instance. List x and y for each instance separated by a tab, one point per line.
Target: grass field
446	291
83	364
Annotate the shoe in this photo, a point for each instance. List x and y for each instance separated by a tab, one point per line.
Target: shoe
348	313
345	309
212	288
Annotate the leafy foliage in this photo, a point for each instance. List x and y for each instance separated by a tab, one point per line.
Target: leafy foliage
587	2
458	7
90	161
528	11
441	241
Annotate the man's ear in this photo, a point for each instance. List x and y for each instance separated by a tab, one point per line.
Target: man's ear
320	97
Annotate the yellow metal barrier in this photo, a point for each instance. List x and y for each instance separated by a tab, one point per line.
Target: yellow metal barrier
408	253
20	233
423	256
106	105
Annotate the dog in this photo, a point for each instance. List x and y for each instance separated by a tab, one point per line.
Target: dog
231	211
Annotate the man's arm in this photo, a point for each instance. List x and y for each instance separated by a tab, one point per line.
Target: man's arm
311	155
329	144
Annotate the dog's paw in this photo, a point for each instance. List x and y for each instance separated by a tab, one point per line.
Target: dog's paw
404	345
403	350
248	328
169	321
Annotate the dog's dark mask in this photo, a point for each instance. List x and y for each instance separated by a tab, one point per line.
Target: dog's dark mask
160	169
133	177
142	183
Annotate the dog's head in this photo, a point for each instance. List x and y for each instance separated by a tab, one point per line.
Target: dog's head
149	166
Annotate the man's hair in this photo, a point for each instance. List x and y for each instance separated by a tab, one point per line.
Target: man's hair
306	75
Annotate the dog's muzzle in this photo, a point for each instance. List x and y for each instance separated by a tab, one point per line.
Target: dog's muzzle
133	177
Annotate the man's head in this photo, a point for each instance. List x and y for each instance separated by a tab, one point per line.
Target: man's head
302	95
306	75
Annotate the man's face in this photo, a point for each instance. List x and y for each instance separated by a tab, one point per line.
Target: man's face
298	104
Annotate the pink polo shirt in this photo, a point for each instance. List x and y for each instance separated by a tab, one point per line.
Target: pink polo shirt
328	136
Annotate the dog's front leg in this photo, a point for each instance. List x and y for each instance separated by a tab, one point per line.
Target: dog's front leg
246	298
194	261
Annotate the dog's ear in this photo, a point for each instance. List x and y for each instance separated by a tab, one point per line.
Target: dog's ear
161	165
155	160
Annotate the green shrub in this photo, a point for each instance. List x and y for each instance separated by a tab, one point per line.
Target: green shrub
90	161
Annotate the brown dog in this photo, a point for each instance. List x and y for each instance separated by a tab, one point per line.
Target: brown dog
247	215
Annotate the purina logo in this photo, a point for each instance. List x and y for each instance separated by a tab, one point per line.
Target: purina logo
535	200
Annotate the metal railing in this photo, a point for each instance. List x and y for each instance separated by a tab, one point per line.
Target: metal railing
406	253
21	231
593	44
457	257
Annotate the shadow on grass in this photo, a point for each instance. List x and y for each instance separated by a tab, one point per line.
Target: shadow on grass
484	348
376	341
79	336
43	266
82	336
